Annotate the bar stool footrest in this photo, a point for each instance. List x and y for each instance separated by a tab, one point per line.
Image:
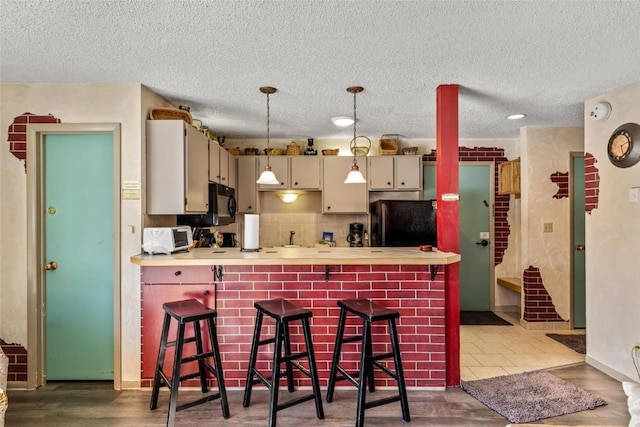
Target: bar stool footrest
381	402
198	402
293	402
349	376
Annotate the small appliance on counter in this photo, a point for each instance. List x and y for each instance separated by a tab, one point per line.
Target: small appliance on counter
222	209
356	231
166	240
228	240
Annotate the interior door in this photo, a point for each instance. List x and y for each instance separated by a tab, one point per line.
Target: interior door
578	258
79	252
475	218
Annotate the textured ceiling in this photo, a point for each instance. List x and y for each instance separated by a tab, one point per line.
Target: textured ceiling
540	58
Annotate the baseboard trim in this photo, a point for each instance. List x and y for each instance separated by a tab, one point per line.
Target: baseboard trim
607	370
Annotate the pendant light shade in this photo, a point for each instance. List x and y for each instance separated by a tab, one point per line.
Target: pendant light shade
354	176
267	177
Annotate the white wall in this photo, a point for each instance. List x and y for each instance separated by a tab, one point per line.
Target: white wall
545	151
126	104
613	243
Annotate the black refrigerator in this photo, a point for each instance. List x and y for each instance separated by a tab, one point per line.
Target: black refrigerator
403	223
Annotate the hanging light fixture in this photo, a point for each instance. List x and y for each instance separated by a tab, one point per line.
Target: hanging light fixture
267	176
355	176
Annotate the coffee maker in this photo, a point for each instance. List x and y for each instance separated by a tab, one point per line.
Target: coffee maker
356	230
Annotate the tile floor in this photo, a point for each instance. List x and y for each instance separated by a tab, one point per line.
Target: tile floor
491	351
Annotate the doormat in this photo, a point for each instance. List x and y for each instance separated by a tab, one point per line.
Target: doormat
482	318
576	342
531	396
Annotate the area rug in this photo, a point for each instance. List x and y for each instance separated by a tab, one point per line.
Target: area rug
576	342
482	318
531	396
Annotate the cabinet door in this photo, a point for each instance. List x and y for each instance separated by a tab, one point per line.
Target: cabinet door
233	171
338	197
197	170
280	167
305	172
214	162
153	296
380	172
247	194
224	167
408	172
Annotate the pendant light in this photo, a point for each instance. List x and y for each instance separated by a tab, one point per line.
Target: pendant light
267	176
355	176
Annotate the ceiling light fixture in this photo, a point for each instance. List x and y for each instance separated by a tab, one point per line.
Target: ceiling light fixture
342	121
515	116
267	176
288	197
355	176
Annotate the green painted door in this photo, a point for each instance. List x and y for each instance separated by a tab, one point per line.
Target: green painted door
475	217
578	213
79	238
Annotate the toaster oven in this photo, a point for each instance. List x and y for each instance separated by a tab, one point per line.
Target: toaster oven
166	240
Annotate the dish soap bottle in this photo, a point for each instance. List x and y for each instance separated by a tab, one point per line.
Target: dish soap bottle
310	150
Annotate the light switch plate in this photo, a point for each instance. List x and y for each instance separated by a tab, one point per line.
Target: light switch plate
548	227
484	235
633	194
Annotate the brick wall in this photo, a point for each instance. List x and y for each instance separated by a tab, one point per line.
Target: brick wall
562	179
17	361
408	289
17	138
591	183
538	306
501	225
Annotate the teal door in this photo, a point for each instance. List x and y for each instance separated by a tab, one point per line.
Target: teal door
79	239
475	218
578	214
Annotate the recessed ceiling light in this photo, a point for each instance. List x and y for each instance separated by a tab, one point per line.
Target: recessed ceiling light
342	121
515	116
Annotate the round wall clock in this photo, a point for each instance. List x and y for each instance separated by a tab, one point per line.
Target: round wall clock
624	145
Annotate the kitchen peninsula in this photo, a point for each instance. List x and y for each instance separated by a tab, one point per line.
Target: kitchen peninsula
404	279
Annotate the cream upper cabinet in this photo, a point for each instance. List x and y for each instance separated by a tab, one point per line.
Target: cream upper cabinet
293	172
305	173
177	168
224	168
233	171
338	197
395	173
280	167
214	162
247	189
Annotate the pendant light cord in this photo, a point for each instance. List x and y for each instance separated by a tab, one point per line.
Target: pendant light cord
355	144
268	129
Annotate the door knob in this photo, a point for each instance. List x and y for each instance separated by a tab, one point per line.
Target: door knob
580	248
483	242
51	266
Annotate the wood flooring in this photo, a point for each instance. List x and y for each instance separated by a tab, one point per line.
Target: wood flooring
72	404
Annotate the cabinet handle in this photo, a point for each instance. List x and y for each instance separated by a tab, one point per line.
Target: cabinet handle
295	183
177	273
388	183
249	208
223	178
402	183
328	208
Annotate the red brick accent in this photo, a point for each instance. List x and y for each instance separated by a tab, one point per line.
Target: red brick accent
501	225
411	291
17	361
17	133
538	306
562	179
591	183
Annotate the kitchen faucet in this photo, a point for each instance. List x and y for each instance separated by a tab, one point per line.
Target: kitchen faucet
291	233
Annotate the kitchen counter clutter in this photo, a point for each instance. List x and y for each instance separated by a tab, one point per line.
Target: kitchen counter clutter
293	256
404	279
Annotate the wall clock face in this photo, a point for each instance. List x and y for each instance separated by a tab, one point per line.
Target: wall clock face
624	145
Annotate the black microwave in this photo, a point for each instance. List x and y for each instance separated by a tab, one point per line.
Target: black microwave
222	208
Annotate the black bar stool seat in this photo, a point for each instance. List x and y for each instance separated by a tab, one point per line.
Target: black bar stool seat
184	312
369	312
283	312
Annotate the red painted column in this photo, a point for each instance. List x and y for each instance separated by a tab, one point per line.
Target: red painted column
448	219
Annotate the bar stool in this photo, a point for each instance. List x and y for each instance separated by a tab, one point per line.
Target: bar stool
188	311
283	312
369	312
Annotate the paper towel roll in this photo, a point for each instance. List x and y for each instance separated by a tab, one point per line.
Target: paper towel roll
251	232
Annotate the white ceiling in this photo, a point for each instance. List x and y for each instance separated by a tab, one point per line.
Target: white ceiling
540	58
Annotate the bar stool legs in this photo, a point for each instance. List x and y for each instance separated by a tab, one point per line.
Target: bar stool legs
369	312
283	312
188	311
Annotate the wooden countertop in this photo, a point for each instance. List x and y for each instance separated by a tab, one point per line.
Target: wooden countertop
299	256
